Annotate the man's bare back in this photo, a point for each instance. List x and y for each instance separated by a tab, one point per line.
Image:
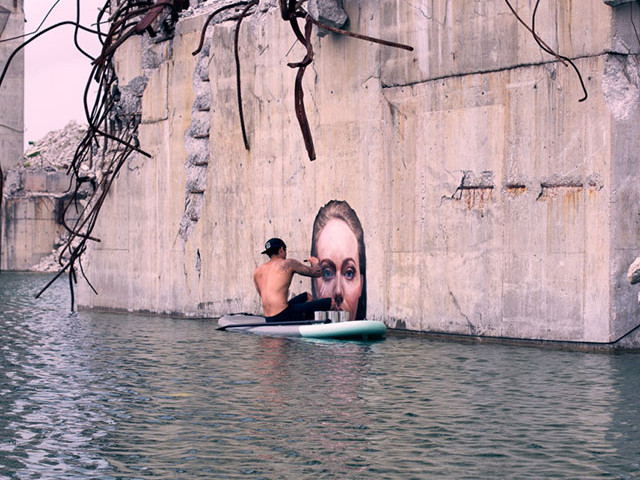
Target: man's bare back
273	278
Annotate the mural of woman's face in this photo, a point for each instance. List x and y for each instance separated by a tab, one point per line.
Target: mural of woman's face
337	250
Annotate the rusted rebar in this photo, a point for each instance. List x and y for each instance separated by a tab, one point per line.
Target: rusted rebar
113	145
210	18
236	36
291	11
546	48
301	114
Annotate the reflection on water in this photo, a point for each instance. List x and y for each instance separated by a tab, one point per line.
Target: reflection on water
106	396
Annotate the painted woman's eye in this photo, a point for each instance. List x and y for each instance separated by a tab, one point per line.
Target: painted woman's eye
327	273
350	273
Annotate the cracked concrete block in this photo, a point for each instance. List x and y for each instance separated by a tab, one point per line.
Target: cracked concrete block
155	102
621	85
150	59
194	159
130	102
198	149
155	51
196	181
136	86
199	127
595	181
330	12
633	274
35	181
206	48
57	182
194	206
477	180
14	182
202	68
202	102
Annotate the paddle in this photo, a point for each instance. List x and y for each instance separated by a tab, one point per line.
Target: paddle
273	324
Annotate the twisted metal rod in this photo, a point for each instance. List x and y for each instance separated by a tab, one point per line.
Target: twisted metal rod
116	142
546	48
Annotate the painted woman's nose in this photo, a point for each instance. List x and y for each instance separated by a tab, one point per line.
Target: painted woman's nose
338	294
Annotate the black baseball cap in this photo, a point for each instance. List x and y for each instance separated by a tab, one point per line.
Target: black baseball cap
273	245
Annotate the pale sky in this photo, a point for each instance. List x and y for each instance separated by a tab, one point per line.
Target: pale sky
55	71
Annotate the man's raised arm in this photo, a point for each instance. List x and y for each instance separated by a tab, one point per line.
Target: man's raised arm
313	270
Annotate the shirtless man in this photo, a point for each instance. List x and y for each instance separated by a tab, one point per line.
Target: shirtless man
273	278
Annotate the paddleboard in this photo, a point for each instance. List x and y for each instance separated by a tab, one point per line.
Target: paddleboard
356	329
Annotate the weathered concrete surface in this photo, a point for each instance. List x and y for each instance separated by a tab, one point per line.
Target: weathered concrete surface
493	202
30	229
328	12
35	193
12	89
11	96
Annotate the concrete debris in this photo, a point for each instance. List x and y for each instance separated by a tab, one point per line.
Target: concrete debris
196	142
471	180
199	7
128	108
43	175
51	263
55	150
621	85
202	102
13	182
329	12
200	124
633	274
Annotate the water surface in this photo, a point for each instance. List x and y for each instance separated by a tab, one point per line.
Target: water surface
112	396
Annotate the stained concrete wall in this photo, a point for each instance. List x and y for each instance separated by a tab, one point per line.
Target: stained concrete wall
31	211
493	202
11	97
12	89
30	229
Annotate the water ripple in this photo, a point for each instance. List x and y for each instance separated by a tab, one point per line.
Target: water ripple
102	396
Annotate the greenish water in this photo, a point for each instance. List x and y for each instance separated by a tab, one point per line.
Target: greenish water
107	396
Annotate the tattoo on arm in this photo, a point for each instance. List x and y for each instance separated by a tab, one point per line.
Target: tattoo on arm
302	269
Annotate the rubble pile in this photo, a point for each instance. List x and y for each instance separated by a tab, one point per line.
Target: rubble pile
43	173
58	257
56	149
202	6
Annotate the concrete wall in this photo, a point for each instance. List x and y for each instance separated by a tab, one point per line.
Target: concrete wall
34	194
30	216
12	89
30	233
11	97
493	201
